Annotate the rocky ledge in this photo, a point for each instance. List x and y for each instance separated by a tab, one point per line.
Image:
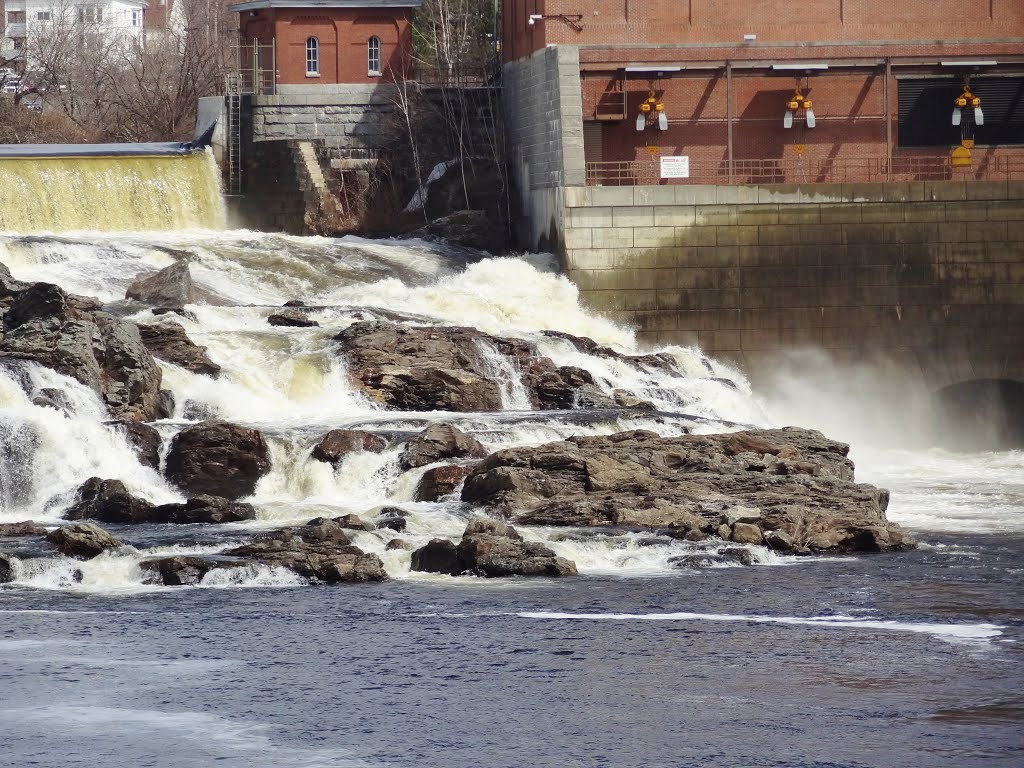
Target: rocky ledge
791	489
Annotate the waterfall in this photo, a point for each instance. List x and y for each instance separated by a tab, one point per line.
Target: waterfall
130	193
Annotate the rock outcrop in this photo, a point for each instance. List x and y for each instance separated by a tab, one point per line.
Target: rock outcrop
438	482
23	528
218	459
490	548
437	443
109	502
185	570
429	368
291	318
83	540
788	486
319	551
144	439
70	335
169	342
339	443
203	509
170	287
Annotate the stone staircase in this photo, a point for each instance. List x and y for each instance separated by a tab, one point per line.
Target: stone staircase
325	213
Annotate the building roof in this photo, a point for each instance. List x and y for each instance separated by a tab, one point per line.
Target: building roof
254	5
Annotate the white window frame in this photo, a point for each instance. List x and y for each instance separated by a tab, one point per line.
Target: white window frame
312	57
373	56
136	17
42	15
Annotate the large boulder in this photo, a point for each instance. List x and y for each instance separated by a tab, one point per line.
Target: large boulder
24	528
109	502
416	368
170	287
438	482
68	334
203	509
169	342
437	443
319	550
185	570
339	443
6	569
490	548
83	540
291	318
144	439
746	486
218	459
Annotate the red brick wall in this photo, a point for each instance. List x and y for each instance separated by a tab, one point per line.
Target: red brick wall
342	35
685	22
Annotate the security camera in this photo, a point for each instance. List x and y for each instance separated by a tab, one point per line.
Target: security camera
534	18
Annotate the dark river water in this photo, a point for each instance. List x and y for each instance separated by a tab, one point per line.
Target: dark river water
897	660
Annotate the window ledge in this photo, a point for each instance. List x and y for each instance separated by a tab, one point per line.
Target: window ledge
375	74
313	75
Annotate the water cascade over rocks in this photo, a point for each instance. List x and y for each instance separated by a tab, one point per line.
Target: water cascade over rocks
320	411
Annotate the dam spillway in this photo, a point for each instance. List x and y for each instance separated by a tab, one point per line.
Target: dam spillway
108	187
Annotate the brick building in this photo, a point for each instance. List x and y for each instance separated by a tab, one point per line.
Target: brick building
327	42
881	75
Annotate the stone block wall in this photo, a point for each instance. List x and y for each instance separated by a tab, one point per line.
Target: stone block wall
352	117
928	274
544	105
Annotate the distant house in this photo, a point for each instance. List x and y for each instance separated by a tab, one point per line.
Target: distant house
328	42
25	19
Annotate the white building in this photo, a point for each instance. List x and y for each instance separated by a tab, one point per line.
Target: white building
25	19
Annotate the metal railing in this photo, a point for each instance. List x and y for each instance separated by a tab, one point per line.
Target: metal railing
808	170
255	65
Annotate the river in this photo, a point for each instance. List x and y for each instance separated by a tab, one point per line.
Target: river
906	659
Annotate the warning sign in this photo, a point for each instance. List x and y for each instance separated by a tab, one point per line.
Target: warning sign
675	167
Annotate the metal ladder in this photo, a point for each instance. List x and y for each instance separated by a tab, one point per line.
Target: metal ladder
233	94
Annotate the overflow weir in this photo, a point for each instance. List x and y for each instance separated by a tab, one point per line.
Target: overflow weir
108	187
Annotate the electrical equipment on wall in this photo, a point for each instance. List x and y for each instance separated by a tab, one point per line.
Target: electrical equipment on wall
963	101
796	103
652	112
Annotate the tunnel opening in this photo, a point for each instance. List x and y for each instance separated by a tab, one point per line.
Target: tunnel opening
982	414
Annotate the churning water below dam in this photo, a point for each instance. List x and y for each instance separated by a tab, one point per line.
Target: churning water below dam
896	660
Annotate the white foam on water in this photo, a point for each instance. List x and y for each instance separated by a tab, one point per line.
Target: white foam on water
979	631
254	575
48	453
937	490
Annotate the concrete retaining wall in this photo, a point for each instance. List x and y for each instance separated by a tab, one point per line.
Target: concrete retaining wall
545	140
930	275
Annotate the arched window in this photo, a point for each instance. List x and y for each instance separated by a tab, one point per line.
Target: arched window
373	56
312	57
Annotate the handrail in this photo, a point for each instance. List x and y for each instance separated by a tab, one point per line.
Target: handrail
807	170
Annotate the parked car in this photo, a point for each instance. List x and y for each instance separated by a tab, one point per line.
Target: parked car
12	86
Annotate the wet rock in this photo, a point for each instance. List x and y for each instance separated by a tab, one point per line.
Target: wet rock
355	523
184	570
438	482
291	319
468	229
169	342
710	558
779	540
415	368
109	502
626	399
68	334
217	458
401	544
338	443
24	528
48	397
490	548
6	569
202	509
397	524
144	439
745	533
316	551
790	480
437	556
83	540
171	287
437	443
